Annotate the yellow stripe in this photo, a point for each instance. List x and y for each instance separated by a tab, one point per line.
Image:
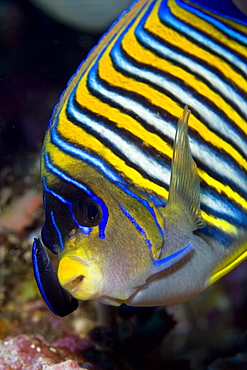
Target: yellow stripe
121	119
136	51
108	73
223	225
221	188
127	122
77	136
229	264
205	27
175	38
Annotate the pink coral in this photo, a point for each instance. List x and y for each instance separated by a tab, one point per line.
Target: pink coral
21	212
66	365
33	353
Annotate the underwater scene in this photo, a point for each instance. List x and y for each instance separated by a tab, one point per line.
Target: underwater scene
123	185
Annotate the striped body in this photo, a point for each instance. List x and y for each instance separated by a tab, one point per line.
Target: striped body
112	134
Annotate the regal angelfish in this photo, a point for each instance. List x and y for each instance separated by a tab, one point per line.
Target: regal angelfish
141	206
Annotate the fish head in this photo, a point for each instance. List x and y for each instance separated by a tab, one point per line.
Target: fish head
98	233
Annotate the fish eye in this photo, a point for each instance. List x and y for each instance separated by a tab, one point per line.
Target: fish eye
87	212
91	211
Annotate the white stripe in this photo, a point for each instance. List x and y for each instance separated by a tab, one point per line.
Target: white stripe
136	108
212	119
219	84
170	19
153	168
132	152
198	150
220	206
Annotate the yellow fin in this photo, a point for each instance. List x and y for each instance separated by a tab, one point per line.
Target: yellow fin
184	190
229	263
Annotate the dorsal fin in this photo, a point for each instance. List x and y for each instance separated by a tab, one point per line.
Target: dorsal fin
182	212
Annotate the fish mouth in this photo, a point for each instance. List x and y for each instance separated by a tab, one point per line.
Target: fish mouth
81	278
71	286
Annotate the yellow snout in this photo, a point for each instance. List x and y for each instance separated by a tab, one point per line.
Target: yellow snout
82	279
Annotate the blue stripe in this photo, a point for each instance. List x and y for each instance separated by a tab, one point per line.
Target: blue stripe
137	226
170	54
145	204
37	275
57	196
128	104
83	155
63	176
217	206
183	95
199	148
57	230
167	17
153	166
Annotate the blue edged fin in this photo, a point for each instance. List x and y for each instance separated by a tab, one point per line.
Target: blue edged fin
59	301
166	262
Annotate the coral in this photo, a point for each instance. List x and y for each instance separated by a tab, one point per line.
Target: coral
33	353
